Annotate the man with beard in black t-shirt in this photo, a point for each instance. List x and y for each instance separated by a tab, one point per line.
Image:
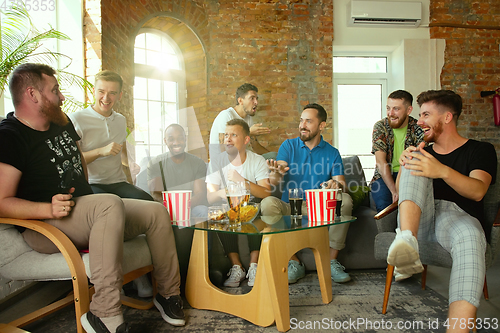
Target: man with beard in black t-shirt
39	152
441	189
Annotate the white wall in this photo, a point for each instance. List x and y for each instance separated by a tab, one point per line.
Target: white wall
374	38
397	68
415	61
423	62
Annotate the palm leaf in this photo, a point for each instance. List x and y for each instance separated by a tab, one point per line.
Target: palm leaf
67	79
21	42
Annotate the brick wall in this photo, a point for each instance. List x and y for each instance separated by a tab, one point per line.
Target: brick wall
92	31
472	60
283	47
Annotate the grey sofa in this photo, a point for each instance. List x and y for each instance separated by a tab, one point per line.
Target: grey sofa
359	250
358	253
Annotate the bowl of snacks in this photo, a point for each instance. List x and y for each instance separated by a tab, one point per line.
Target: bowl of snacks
248	212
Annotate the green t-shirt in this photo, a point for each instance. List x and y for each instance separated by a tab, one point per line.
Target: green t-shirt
399	146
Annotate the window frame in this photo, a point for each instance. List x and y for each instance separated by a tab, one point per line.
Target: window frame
172	75
383	79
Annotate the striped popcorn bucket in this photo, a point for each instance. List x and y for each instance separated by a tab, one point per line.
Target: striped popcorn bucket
178	204
321	206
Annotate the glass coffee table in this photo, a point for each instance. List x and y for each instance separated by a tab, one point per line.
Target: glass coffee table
268	301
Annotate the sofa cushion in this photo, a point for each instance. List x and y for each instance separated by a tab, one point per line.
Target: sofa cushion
19	262
12	244
353	171
358	195
359	250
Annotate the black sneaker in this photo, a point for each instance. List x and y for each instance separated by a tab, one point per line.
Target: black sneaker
170	309
93	324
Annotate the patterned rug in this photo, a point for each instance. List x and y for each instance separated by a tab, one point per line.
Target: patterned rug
356	307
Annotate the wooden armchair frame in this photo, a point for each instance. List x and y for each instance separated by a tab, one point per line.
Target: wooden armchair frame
81	293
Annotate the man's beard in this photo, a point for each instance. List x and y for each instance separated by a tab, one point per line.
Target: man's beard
436	132
53	113
250	111
305	137
398	124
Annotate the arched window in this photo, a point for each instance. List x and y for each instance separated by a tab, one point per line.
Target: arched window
159	90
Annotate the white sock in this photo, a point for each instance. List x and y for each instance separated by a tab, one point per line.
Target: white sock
112	323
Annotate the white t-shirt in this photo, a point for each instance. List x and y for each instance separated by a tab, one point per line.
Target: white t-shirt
219	126
98	131
253	169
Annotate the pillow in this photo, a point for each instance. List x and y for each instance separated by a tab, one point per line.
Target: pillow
358	195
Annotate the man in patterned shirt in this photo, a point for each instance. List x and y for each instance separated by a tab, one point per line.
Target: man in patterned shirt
390	137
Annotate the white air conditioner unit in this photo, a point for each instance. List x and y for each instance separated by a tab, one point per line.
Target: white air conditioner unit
383	13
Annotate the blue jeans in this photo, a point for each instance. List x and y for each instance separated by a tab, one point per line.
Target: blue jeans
381	194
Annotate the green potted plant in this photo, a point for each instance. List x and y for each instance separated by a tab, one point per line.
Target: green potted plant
21	42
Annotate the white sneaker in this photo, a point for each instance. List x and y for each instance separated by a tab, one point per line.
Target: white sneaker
143	286
403	253
236	275
252	271
399	277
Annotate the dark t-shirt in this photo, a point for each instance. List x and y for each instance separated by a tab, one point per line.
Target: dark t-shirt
43	158
473	155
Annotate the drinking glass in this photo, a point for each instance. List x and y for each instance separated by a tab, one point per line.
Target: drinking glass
235	195
245	188
295	197
217	217
338	207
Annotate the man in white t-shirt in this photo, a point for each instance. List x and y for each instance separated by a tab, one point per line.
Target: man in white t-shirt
246	107
238	164
103	132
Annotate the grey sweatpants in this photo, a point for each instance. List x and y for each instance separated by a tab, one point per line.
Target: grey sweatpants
101	223
456	231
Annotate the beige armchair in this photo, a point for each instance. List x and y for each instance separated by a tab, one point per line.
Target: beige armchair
19	262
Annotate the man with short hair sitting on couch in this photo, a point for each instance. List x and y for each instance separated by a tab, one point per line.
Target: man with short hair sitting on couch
307	162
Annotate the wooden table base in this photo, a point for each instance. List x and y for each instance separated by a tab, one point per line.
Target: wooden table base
268	301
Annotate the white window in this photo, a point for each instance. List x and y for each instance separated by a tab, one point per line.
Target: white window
360	92
66	17
159	91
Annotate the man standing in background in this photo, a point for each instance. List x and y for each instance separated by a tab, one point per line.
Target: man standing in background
246	107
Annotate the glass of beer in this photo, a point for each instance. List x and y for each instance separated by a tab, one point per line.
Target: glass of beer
245	188
235	194
295	197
